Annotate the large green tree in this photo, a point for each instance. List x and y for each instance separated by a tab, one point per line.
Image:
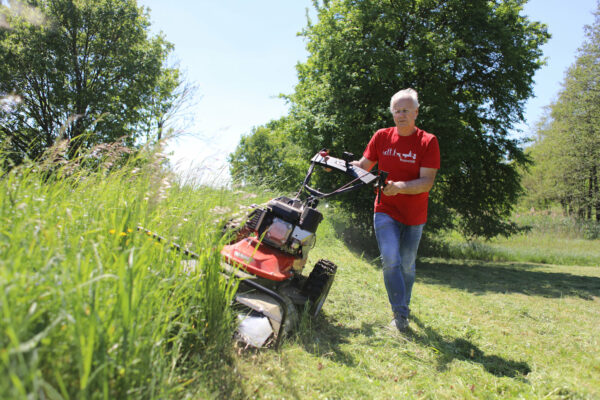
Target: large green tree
87	71
567	146
266	157
472	62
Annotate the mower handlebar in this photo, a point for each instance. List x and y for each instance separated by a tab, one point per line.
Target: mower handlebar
359	175
344	166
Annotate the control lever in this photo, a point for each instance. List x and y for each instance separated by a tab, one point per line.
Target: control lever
380	184
347	157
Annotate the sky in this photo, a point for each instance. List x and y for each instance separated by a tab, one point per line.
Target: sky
242	54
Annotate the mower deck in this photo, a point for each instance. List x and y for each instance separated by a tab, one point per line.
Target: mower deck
258	259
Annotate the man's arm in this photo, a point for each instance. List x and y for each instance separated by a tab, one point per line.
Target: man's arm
364	163
420	185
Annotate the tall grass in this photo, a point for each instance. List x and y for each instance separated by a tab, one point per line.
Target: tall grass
549	238
93	308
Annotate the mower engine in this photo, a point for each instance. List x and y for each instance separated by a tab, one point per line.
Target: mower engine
288	225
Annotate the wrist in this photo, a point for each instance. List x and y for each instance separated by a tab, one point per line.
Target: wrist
400	186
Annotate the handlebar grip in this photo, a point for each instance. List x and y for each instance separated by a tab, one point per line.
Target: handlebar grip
381	179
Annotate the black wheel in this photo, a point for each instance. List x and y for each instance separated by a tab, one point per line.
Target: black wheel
318	283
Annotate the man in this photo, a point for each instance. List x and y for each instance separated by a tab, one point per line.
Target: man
411	156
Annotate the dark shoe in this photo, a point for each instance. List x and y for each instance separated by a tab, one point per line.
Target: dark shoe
400	323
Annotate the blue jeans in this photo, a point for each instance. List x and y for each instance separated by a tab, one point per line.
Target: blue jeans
398	245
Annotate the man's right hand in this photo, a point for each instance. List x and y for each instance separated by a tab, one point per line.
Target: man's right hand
364	163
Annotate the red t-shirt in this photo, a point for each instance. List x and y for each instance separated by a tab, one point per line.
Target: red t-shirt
402	157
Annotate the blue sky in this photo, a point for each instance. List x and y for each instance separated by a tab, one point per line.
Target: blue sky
242	54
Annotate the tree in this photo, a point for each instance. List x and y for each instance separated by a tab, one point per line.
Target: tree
567	149
265	157
472	62
85	71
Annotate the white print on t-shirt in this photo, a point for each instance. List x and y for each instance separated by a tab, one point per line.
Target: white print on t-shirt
409	157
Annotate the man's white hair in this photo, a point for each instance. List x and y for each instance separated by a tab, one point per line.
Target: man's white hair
405	94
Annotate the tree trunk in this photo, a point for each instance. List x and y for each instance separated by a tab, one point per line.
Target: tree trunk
596	198
590	199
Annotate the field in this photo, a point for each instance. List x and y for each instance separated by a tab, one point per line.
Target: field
93	308
479	329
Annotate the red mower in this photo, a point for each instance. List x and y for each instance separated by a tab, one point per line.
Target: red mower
269	252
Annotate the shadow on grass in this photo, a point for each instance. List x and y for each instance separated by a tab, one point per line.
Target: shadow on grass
482	277
462	349
326	337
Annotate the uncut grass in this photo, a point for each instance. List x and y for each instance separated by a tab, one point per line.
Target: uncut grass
92	308
550	239
479	330
533	247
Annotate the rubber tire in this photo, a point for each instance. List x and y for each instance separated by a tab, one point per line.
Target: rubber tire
317	285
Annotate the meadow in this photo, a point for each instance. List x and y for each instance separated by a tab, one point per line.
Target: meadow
94	308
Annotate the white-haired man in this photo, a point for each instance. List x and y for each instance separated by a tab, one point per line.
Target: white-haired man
411	156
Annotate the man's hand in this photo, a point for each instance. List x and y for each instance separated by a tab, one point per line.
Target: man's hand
363	163
421	185
393	188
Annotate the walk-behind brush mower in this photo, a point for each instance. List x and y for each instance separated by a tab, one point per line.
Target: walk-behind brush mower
270	249
268	252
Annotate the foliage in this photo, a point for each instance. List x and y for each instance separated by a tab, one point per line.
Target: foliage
85	71
93	308
266	157
567	147
472	63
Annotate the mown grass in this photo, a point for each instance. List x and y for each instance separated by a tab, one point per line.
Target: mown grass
479	329
93	308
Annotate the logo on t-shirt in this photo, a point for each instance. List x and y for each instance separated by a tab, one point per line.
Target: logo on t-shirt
409	157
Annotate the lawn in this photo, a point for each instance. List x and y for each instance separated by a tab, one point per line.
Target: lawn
479	329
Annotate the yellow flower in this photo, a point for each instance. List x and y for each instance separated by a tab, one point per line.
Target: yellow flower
112	231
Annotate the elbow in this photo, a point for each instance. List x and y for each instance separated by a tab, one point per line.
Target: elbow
428	185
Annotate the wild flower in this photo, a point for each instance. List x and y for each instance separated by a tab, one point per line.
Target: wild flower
165	185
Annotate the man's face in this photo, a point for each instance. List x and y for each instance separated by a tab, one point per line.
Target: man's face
405	113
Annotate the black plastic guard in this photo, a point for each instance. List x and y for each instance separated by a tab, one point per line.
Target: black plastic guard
341	165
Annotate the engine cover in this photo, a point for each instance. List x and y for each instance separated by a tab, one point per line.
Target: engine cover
279	232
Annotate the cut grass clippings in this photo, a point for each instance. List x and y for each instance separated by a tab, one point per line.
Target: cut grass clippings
478	330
